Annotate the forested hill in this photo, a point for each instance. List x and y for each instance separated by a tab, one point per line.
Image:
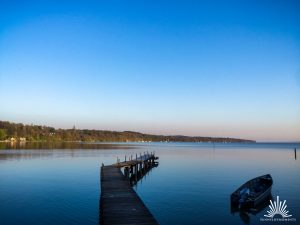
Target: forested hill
20	132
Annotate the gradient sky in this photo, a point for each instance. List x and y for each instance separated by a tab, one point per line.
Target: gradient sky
205	68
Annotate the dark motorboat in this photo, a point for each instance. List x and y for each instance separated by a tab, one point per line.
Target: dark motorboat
253	193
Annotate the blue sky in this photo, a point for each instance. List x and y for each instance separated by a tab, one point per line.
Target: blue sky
207	68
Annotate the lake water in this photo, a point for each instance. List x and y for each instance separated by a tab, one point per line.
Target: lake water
59	184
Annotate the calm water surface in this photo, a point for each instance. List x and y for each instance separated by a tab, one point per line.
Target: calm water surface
59	184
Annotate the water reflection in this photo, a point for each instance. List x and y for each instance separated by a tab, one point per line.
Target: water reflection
139	176
190	186
245	213
64	145
30	150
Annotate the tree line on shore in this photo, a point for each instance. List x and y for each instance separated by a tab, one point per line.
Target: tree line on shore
20	132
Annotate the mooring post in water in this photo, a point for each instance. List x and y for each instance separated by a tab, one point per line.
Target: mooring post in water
295	150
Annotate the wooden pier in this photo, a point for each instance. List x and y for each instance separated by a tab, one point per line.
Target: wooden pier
119	203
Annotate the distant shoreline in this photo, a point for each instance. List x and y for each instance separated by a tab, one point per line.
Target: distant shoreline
12	132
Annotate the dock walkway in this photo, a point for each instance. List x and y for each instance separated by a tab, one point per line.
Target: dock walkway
119	203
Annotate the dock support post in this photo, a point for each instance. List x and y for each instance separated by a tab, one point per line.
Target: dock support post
126	172
136	172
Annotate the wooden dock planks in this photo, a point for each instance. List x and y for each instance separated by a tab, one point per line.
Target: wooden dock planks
119	203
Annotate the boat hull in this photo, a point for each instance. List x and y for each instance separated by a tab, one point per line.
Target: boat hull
253	193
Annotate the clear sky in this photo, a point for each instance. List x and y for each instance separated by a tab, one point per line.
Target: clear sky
205	68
